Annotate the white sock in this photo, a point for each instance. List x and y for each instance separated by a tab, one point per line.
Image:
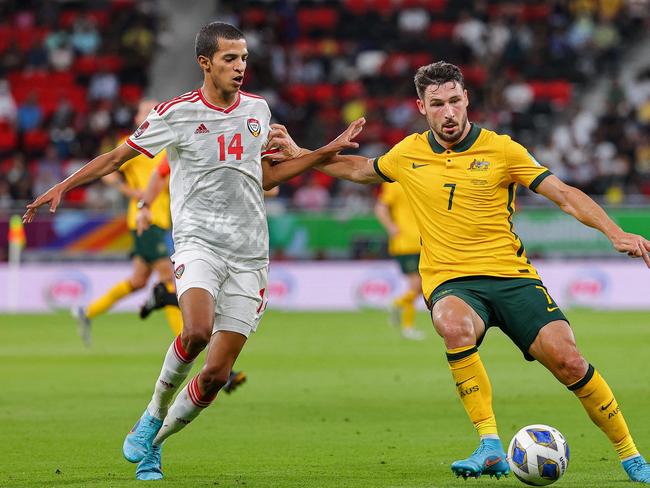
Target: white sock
188	405
175	368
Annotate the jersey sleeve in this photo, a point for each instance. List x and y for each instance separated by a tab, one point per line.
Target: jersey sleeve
523	167
387	166
153	135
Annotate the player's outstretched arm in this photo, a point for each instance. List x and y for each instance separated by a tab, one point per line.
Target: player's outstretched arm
354	168
579	205
273	175
100	166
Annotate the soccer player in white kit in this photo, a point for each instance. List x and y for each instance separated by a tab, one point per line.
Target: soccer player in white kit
215	139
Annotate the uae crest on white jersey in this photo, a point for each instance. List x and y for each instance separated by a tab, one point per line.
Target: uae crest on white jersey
254	126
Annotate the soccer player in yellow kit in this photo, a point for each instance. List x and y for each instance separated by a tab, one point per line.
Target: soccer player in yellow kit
461	182
150	251
394	213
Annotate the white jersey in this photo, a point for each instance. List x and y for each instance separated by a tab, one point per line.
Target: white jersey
217	199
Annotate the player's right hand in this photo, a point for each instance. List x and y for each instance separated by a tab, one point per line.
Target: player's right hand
634	245
52	196
345	140
142	220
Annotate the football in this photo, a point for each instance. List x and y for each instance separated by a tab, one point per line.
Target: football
538	455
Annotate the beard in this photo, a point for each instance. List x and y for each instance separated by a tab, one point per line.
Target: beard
454	136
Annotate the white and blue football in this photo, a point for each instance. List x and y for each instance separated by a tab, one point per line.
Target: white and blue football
538	455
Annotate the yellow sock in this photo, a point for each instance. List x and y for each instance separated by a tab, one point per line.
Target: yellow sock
603	409
408	315
173	313
406	302
106	301
473	387
174	319
405	299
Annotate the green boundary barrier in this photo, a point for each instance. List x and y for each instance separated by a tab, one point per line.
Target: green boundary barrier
543	231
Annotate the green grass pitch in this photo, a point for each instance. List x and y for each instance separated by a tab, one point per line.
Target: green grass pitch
333	400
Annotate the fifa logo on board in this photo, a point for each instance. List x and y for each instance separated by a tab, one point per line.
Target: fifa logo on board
477	165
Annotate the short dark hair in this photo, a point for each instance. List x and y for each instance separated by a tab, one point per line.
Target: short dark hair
206	43
437	74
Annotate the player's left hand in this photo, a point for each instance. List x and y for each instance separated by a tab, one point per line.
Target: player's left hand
52	196
280	141
634	245
346	139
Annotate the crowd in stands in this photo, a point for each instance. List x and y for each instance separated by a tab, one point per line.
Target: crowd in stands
70	76
321	64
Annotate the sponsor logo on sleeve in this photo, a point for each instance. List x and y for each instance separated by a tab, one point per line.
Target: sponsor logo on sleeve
140	130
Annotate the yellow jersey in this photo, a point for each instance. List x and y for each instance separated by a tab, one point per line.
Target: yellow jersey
137	172
407	241
463	199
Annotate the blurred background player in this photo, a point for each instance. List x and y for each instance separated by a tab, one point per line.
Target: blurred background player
150	252
394	212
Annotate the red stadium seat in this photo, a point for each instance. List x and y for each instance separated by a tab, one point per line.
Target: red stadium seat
441	30
254	16
86	65
391	137
8	140
297	94
383	7
6	36
538	12
560	92
356	6
351	89
67	18
27	37
131	93
35	141
321	18
323	92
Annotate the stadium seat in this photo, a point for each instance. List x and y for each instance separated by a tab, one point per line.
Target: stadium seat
35	141
441	30
8	140
131	93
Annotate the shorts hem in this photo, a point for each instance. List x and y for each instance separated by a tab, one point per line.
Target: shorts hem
195	284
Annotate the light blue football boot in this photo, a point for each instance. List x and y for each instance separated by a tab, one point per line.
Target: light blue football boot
150	468
489	458
638	469
138	442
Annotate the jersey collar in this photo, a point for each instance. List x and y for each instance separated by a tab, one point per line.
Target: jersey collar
461	146
220	109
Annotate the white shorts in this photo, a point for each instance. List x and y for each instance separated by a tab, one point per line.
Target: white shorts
240	296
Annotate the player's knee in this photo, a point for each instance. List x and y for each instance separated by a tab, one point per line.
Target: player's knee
138	283
453	326
214	378
195	338
571	368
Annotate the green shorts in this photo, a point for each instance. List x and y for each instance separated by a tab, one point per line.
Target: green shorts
408	262
520	307
151	245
